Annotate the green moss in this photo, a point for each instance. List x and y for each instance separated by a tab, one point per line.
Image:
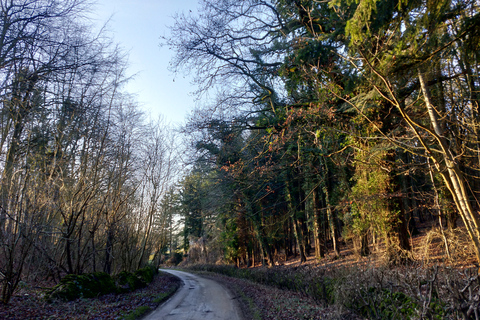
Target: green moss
146	274
127	282
91	285
88	285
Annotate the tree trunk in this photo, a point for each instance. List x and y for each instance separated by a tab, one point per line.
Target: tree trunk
330	214
453	177
318	233
298	237
292	206
107	267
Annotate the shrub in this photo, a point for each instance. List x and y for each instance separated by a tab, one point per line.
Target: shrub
412	292
385	304
175	259
127	282
88	285
146	274
95	284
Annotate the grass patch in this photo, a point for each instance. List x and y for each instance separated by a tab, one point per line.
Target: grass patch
137	313
251	306
164	296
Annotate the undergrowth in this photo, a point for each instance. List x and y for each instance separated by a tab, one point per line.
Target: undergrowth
30	303
91	285
409	292
251	306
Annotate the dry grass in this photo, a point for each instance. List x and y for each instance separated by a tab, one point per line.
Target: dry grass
452	247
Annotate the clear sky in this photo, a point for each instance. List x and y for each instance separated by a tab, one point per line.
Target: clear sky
137	26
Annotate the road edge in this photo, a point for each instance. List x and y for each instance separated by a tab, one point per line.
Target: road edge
167	297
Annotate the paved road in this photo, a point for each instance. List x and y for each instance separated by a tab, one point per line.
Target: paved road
197	299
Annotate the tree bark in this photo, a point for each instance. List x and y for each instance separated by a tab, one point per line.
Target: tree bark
330	214
453	177
293	215
318	233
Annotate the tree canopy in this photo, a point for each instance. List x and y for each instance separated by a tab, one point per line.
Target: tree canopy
82	169
334	120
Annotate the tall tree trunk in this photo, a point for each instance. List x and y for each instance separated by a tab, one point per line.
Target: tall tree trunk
147	234
242	233
398	229
292	206
438	209
330	214
265	249
452	176
299	238
107	267
20	107
68	252
94	251
318	230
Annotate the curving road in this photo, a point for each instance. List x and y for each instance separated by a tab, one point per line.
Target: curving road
197	299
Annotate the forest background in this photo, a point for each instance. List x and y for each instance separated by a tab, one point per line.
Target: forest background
320	124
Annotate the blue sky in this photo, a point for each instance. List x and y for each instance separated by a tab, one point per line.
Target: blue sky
137	26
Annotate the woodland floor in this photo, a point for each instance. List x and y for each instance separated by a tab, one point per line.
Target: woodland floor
268	303
29	303
257	301
264	302
428	248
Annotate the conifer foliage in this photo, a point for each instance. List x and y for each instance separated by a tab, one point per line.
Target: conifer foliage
333	120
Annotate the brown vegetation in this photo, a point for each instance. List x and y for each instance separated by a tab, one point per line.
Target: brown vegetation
29	302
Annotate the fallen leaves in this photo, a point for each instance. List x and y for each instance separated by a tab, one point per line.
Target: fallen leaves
269	303
31	305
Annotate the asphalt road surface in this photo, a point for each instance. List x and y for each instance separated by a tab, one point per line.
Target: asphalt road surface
197	299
